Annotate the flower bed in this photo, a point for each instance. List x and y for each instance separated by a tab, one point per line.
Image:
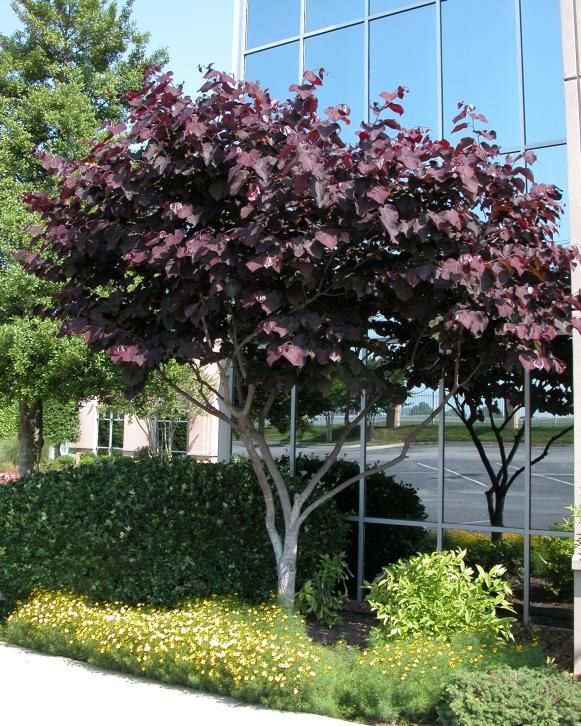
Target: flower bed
8	476
263	654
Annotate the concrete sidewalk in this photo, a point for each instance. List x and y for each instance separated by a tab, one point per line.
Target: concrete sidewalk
49	690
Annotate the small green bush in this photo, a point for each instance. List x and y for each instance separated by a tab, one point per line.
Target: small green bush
482	550
60	462
325	594
555	555
524	697
153	531
87	457
438	594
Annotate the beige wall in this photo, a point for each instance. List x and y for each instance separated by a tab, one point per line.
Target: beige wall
202	434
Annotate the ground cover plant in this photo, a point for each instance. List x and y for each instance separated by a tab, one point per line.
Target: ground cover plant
240	232
260	653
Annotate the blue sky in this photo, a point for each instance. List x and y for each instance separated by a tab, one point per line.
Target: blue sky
194	32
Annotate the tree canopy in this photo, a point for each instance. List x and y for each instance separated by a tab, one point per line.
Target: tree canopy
62	75
240	231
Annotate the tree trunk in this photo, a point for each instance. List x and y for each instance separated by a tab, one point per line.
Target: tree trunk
495	501
329	421
286	568
30	439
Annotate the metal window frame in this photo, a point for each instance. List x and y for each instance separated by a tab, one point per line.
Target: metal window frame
440	526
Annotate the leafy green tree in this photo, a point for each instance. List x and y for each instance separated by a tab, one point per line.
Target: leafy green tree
62	75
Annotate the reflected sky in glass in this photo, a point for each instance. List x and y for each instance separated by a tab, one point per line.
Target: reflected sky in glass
390	39
551	168
480	64
543	71
322	12
382	6
269	21
340	53
275	68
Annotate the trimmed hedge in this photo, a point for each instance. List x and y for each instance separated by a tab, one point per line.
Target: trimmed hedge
153	531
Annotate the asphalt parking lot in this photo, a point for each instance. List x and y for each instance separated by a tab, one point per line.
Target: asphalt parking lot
466	481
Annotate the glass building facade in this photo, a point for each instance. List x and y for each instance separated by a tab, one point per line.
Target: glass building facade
506	58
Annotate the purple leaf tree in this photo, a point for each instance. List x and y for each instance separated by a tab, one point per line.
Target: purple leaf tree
240	232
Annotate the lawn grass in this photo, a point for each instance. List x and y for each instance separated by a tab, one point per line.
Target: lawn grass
542	432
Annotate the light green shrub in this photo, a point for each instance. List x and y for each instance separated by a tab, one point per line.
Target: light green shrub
437	594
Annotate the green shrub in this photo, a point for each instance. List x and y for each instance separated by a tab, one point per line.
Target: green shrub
524	697
324	595
437	594
152	531
87	457
60	462
384	497
482	550
555	555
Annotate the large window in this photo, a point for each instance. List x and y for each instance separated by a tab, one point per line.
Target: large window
110	431
505	57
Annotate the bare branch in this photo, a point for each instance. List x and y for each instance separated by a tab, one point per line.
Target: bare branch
542	455
400	457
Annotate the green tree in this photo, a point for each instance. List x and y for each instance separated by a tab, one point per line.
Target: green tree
62	75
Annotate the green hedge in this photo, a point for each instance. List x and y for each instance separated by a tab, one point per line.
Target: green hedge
152	531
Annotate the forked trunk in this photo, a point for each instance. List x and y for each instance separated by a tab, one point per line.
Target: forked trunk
30	439
496	501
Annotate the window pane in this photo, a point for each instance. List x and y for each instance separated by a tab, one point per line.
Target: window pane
383	6
551	168
117	427
480	64
321	12
180	436
340	53
390	66
269	21
543	71
275	69
103	433
469	472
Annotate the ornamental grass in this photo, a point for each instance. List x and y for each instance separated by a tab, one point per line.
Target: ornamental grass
258	653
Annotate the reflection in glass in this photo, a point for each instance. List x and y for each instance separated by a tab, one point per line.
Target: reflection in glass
275	69
482	550
386	543
552	576
484	481
476	73
384	6
390	66
552	443
551	168
340	53
269	21
543	71
321	13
